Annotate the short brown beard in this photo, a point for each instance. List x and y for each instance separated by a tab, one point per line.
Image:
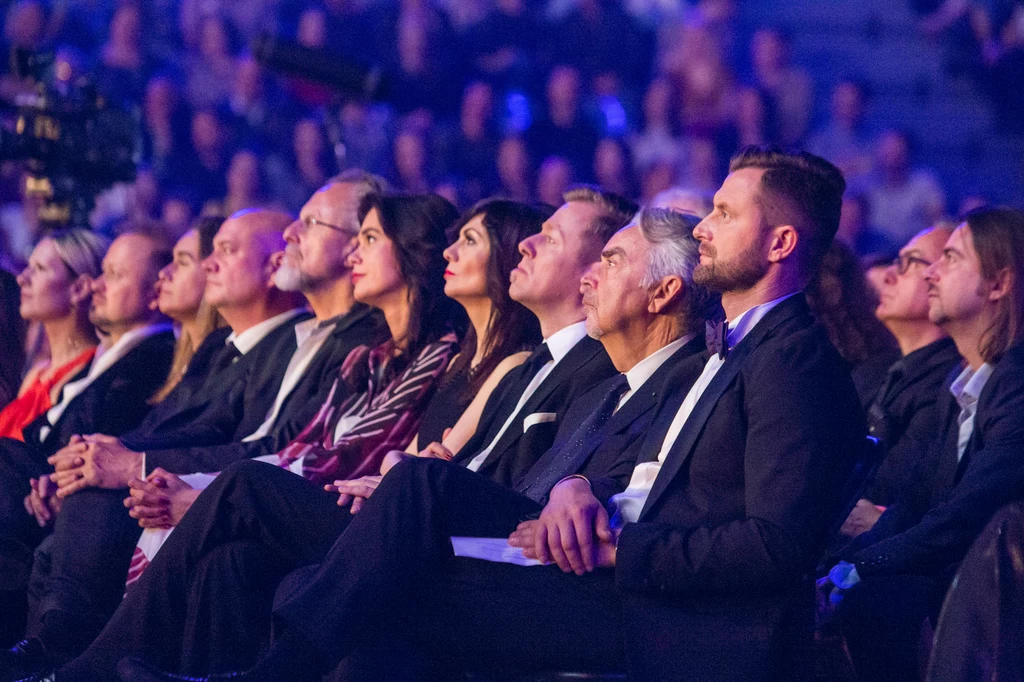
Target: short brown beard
742	273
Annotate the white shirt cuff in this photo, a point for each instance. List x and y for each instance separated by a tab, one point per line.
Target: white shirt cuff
844	575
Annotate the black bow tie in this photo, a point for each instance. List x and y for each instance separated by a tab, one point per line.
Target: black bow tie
716	336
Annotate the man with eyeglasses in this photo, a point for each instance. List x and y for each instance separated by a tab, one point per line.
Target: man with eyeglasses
318	245
904	417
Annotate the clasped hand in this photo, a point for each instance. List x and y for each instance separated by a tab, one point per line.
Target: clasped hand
357	491
41	502
96	461
572	531
161	500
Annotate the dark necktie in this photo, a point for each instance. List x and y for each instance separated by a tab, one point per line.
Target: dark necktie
570	458
232	354
879	423
228	356
510	398
716	336
537	359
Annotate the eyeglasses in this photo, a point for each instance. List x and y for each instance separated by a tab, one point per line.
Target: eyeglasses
903	263
311	222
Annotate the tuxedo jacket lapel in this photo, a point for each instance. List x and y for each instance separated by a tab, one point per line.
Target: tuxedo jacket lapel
581	353
647	397
690	433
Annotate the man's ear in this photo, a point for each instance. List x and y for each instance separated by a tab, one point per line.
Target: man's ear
665	294
273	264
81	289
1000	285
784	239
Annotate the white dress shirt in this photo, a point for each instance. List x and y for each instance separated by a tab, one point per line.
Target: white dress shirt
559	344
310	336
247	340
966	388
104	359
627	505
642	371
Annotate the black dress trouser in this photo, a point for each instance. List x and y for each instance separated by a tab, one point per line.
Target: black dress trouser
395	560
201	589
19	533
203	604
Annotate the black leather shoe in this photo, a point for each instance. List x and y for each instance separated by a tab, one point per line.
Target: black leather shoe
135	670
25	660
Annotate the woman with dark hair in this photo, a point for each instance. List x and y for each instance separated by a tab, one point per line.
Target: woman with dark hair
180	297
844	303
396	268
12	340
501	332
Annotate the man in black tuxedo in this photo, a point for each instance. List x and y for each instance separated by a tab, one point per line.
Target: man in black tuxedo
641	303
111	394
702	569
904	416
894	576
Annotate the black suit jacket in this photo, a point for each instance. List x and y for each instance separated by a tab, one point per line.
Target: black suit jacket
716	573
608	463
966	493
219	400
907	419
115	402
362	326
581	369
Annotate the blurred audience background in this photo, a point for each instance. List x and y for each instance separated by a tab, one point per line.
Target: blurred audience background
919	103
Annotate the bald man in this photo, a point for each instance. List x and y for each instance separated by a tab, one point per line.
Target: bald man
79	574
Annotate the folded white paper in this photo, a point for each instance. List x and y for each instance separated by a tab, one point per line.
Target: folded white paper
491	549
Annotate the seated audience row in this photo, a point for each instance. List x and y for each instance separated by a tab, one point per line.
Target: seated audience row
667	409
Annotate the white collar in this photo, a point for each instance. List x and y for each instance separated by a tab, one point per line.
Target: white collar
748	319
638	375
967	387
104	359
564	340
314	327
245	341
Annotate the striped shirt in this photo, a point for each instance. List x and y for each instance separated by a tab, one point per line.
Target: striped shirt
348	439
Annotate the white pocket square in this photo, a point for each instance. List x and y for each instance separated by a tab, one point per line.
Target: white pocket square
538	418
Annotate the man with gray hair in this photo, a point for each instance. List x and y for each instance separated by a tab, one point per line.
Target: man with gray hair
314	263
643	306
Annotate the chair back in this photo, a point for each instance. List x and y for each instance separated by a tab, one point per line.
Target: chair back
980	634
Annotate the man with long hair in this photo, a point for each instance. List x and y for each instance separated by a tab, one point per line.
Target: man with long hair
894	576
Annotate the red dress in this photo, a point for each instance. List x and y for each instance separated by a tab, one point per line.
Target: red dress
24	409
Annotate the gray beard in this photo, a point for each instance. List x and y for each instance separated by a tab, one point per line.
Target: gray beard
288	278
